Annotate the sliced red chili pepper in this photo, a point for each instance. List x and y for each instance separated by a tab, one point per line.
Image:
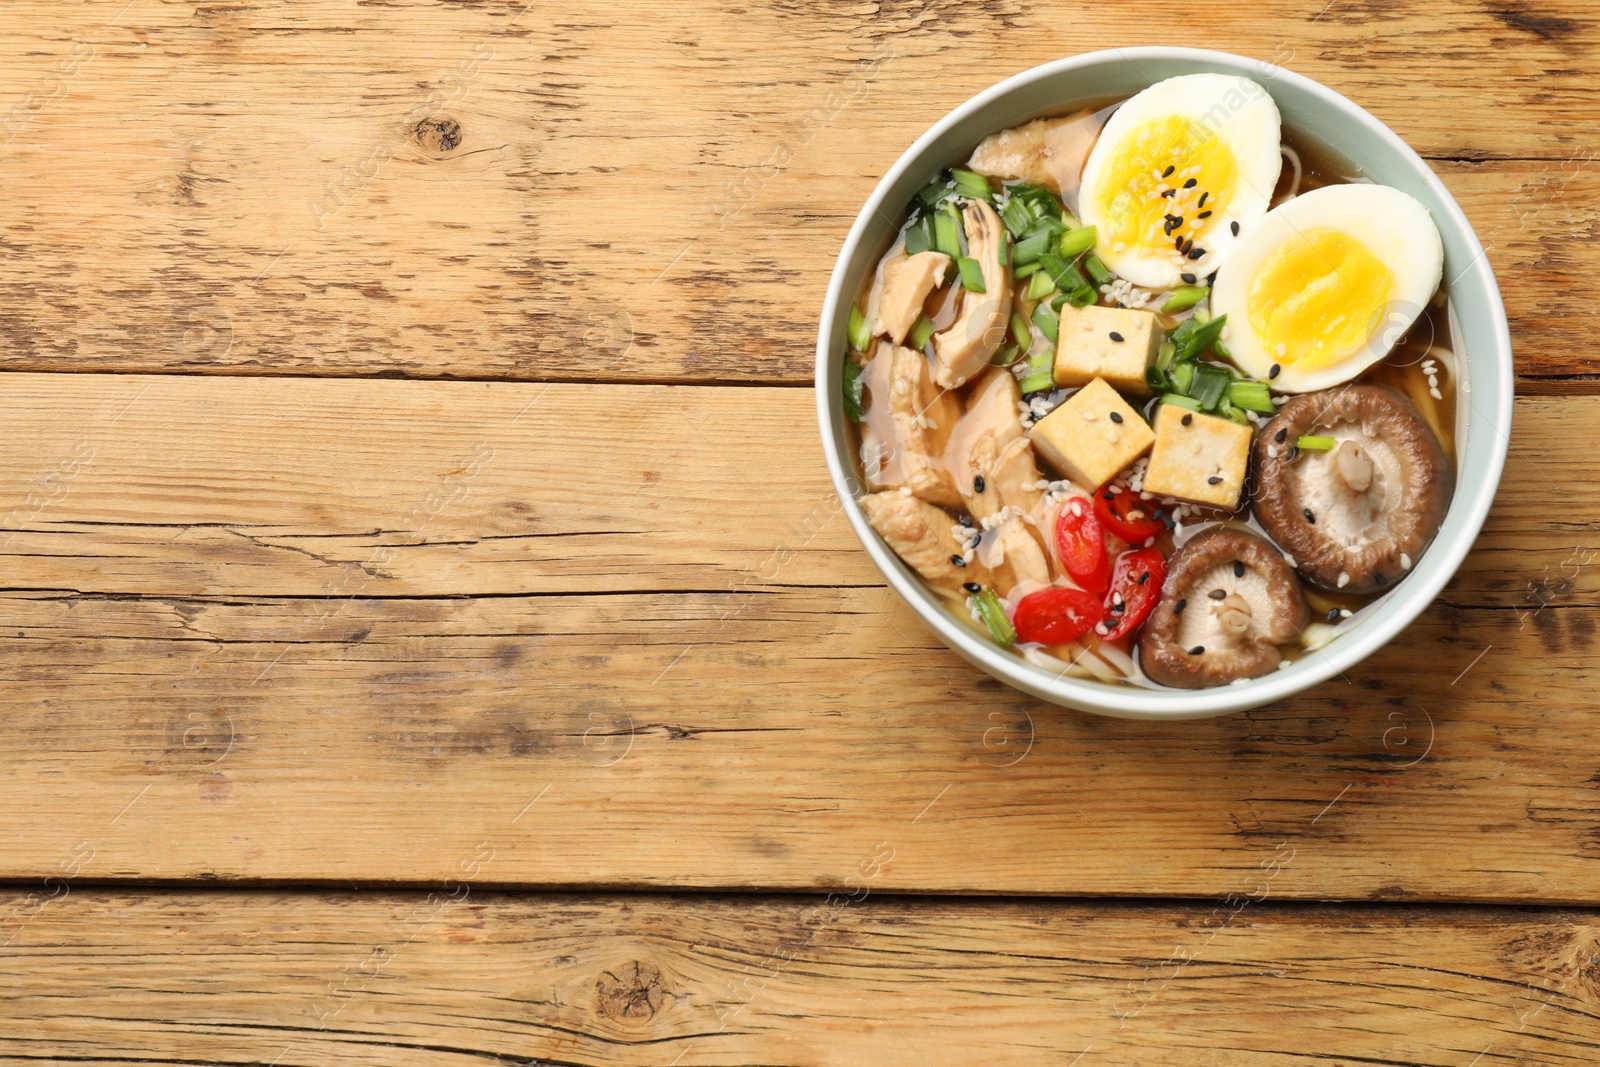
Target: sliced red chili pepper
1056	616
1127	516
1136	582
1081	544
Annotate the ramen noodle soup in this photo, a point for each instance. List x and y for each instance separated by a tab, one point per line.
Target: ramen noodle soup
1157	392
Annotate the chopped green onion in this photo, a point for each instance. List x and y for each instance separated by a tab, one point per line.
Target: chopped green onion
1194	335
1228	411
1049	226
919	236
920	332
1178	400
1075	243
993	614
971	183
1182	375
1003	256
1097	270
1068	279
1029	248
1040	287
1040	200
934	192
1005	355
1018	219
1048	322
1165	353
1315	443
1252	396
859	330
1209	385
971	274
1157	379
1222	353
1041	376
947	233
1024	271
1185	297
1019	328
853	381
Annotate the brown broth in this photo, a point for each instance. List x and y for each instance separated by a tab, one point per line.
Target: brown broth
1402	369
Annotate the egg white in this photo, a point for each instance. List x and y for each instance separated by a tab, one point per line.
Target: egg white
1392	226
1243	116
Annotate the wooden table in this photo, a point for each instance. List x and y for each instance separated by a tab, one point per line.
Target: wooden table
430	637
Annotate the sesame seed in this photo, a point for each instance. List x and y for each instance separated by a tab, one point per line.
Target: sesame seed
1281	435
1234	226
1238	569
1333	614
1218	594
1312	519
972	587
1188	279
959	561
1116	416
1273	374
1116	609
1344	613
1203	196
1195	253
1405	561
1188	418
1197	649
1177	242
1344	579
1115	336
1215	479
1211	279
1145	577
1203	215
965	520
1168	172
977	484
1169	192
1191	183
1179	606
1380	579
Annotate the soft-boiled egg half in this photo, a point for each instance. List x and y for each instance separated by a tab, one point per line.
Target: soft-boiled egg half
1178	169
1322	286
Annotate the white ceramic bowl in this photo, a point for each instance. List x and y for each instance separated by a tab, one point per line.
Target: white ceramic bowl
1483	353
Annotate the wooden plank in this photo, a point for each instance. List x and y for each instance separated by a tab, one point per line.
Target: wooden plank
458	976
766	740
195	486
448	190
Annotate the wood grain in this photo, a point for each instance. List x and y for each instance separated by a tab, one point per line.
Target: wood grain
457	976
766	741
199	486
447	190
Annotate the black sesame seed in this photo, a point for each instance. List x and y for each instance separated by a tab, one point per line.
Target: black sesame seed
1380	579
972	587
1197	649
1238	569
1169	192
1188	279
1294	451
1333	614
1211	279
1117	609
1115	336
1234	226
1275	371
1203	215
1145	577
1312	519
977	484
1116	416
1215	479
1191	183
1108	495
1177	242
1281	436
1188	417
1168	172
1203	196
966	520
1195	253
1217	594
1179	606
959	561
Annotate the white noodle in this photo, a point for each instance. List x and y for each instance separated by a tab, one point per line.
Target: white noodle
1294	186
1040	658
1116	657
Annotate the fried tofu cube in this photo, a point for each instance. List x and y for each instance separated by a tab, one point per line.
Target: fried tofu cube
1092	436
1087	347
1199	458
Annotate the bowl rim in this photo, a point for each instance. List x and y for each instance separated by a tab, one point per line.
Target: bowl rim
1122	701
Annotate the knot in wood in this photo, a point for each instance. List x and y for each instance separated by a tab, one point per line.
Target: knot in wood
630	993
437	135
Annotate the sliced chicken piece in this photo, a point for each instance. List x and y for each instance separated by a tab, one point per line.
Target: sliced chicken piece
924	537
990	450
907	427
1012	554
963	349
907	281
1050	152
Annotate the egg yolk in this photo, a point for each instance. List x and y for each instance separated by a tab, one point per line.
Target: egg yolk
1174	156
1318	297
